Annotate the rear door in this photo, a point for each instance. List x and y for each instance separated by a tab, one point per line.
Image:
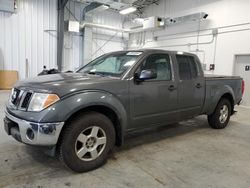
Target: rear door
191	86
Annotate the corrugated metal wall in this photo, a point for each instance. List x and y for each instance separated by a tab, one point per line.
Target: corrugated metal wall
31	34
105	41
102	41
23	36
72	41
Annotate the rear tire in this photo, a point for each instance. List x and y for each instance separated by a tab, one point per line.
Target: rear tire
86	142
221	115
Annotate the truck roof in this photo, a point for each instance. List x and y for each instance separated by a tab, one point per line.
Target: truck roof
150	50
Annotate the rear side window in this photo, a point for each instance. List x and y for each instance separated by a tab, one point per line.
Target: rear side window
193	66
187	67
184	67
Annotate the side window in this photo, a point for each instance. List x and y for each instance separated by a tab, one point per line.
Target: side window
160	63
193	66
184	67
187	67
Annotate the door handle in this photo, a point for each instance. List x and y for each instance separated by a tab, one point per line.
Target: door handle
171	88
198	86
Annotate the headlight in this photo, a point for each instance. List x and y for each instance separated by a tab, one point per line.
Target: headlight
41	101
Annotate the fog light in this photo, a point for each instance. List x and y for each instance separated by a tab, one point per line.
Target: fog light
30	134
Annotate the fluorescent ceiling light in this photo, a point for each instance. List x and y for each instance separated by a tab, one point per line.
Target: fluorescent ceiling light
98	9
104	7
101	8
128	10
138	20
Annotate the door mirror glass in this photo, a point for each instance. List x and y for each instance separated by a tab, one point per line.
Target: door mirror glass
146	75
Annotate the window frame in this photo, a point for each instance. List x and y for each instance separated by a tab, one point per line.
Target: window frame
139	67
196	66
189	63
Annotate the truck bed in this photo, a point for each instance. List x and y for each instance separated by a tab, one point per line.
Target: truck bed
219	77
216	83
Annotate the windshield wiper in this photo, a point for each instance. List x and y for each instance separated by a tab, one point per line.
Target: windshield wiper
96	73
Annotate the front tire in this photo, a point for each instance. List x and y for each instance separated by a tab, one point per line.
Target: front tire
221	116
86	142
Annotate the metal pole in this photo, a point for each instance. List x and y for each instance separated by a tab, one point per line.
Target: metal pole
60	31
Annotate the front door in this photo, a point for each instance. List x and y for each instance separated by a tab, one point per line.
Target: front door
154	101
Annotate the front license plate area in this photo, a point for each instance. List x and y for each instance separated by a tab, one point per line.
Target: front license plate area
7	125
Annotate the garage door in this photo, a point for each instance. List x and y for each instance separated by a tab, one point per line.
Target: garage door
242	68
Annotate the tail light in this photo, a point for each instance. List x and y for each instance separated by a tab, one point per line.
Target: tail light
242	86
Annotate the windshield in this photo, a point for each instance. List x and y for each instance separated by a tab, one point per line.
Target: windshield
112	64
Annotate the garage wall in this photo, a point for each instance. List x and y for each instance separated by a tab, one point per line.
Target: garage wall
23	36
101	40
30	35
219	50
72	41
105	41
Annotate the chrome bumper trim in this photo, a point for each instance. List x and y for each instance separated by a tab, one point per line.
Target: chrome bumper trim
45	134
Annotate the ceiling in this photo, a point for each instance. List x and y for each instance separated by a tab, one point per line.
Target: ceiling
121	4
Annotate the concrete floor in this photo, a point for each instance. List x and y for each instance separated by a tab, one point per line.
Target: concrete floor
188	154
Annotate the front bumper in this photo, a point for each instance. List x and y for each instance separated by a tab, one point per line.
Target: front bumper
43	134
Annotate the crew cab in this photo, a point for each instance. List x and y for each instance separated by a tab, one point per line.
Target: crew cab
81	116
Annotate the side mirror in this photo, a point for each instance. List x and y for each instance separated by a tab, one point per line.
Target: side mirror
146	75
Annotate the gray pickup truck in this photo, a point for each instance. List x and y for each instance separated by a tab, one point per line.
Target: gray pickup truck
81	116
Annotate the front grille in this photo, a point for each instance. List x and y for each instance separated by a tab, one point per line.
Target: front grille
20	99
26	100
15	96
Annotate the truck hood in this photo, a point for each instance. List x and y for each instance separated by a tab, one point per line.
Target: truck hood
65	83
